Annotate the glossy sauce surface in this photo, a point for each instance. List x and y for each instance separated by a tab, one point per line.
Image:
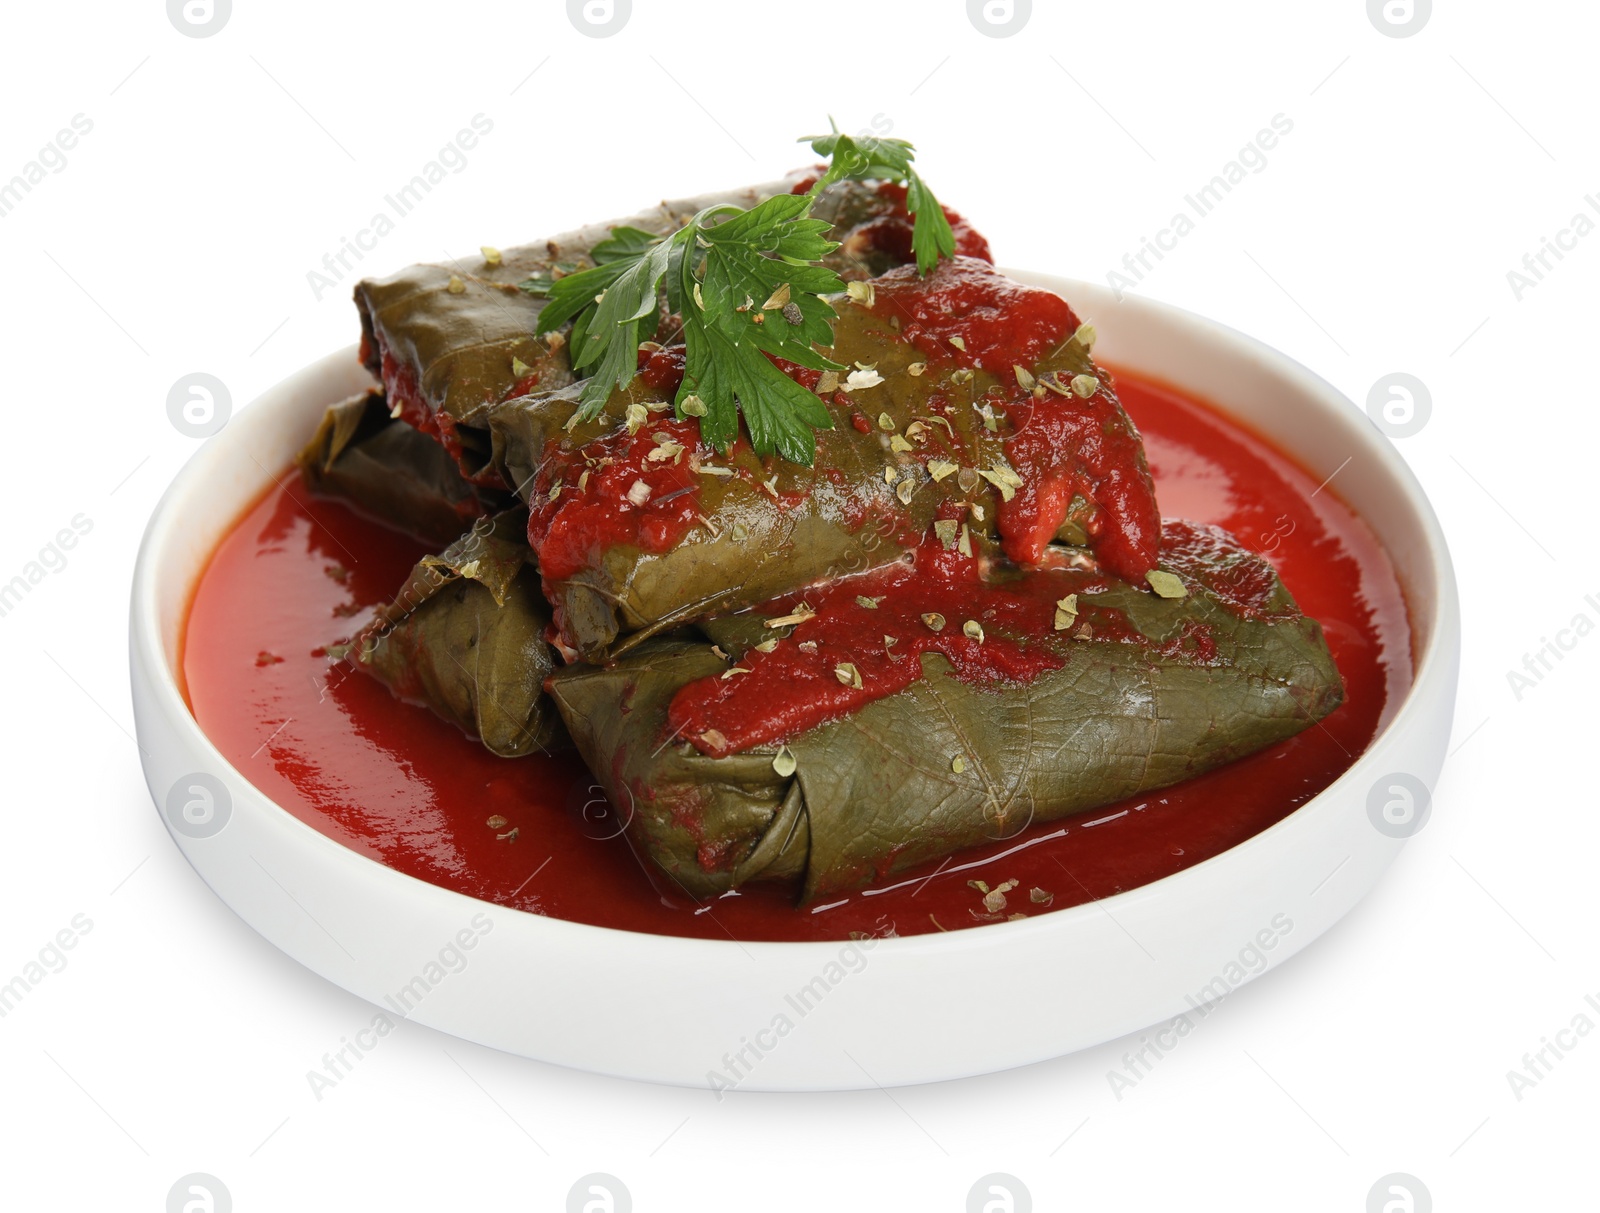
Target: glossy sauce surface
396	783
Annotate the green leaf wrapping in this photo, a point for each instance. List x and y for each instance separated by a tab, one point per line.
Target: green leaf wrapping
465	637
875	794
388	471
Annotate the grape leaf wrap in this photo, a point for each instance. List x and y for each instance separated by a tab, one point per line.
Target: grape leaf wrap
879	792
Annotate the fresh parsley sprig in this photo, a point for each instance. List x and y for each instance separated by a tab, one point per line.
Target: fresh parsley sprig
869	156
756	291
746	286
747	283
575	296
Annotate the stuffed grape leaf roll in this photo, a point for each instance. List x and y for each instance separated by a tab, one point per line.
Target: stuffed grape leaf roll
962	389
388	471
465	636
1028	712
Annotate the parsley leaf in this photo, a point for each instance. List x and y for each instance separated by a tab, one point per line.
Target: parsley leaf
931	237
607	339
756	291
624	244
870	156
571	293
746	284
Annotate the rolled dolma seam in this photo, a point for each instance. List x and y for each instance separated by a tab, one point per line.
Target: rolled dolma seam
389	472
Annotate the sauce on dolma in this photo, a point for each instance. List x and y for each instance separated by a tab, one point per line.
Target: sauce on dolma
860	639
961	386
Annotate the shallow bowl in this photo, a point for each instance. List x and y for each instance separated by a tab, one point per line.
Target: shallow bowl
905	1010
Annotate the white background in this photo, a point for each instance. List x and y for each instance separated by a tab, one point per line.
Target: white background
1378	238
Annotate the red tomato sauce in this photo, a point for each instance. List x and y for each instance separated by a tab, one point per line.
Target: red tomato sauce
865	643
1105	471
966	313
396	783
614	491
862	638
1000	324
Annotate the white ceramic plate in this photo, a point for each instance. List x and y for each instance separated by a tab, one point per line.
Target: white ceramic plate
908	1010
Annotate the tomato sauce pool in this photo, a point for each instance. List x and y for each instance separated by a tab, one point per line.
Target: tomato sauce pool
398	784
